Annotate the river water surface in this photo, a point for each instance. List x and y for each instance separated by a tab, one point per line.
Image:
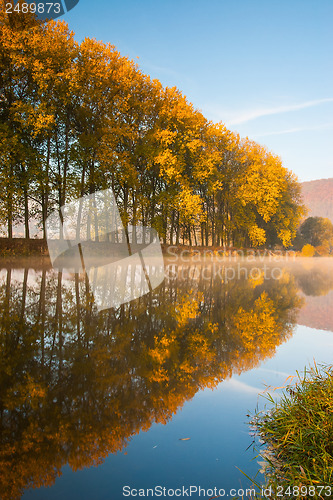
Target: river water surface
157	391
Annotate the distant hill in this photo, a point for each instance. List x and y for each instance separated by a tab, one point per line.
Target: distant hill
318	197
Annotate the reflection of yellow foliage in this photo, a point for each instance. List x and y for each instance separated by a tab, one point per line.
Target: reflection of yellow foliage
25	392
159	375
285	278
257	329
256	279
161	352
106	377
187	309
213	327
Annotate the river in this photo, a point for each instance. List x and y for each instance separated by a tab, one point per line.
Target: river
155	392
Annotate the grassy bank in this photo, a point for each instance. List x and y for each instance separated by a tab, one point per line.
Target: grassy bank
298	438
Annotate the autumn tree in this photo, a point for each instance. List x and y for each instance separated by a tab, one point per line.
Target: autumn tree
316	231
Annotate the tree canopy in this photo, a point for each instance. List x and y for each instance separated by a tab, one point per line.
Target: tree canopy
316	231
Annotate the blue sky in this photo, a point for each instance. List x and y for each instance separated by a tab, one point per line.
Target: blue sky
263	67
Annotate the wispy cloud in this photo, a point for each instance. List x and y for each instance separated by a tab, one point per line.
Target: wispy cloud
293	130
241	386
275	372
258	113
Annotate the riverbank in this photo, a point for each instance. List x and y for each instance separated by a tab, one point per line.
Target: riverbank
22	247
10	247
298	437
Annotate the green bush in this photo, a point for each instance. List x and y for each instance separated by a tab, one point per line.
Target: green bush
316	230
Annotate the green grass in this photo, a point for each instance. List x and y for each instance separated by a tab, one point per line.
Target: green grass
297	436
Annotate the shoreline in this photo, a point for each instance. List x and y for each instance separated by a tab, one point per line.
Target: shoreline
12	249
24	247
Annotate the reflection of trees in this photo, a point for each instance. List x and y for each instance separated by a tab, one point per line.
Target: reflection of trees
317	281
76	385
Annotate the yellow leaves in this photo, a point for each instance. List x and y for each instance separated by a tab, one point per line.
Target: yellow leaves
285	236
189	206
166	137
38	119
169	166
262	188
257	235
200	348
308	250
194	145
186	368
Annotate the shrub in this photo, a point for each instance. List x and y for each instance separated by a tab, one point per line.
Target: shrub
308	250
298	433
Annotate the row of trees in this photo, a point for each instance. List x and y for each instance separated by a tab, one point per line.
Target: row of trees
76	118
